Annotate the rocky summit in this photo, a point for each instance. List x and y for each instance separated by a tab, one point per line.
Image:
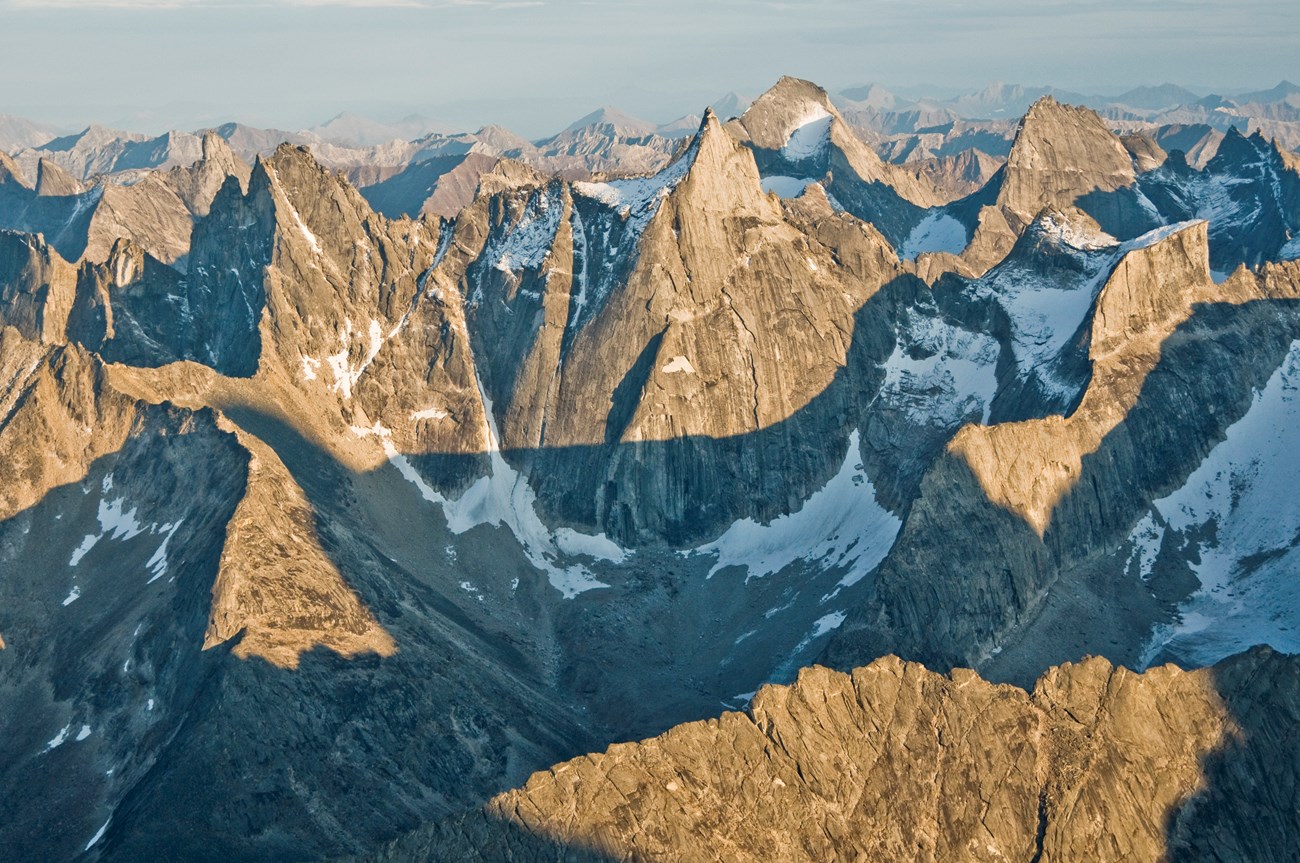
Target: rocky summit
823	477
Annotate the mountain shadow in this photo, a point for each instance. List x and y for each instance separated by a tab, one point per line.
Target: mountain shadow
1249	807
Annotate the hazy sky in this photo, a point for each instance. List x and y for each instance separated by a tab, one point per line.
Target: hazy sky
535	66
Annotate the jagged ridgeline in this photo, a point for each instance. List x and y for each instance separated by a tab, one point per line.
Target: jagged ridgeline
330	517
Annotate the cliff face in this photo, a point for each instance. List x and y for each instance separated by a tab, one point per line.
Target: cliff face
1057	496
1062	155
894	762
459	499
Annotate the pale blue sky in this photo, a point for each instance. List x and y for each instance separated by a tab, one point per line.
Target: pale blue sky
535	66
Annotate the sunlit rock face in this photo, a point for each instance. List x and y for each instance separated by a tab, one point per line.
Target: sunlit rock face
338	514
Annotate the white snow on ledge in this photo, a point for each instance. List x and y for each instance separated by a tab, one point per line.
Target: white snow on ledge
840	525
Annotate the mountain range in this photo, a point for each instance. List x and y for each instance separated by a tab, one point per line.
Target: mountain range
754	492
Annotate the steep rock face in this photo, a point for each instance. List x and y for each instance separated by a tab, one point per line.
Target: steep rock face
442	186
1249	192
11	173
36	287
156	211
197	185
1061	154
105	575
1147	154
52	181
894	762
956	176
56	395
1056	495
129	308
795	130
276	586
393	352
695	310
150	213
1038	301
63	221
167	579
1152	290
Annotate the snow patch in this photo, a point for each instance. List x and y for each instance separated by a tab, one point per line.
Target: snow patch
599	546
679	364
840	525
59	739
83	733
98	835
73	596
80	551
1146	537
1150	238
430	414
940	373
821	626
504	498
638	199
1071	234
1046	312
786	187
346	374
526	244
810	136
157	564
116	522
1242	505
310	366
937	232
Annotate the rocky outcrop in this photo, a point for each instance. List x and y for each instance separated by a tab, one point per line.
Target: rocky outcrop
36	288
1061	155
456	500
276	586
668	317
894	762
11	173
1056	495
56	395
54	182
197	185
794	129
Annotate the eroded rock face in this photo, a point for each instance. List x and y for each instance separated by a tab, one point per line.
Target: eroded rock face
1060	155
38	287
795	130
1058	494
894	762
459	499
